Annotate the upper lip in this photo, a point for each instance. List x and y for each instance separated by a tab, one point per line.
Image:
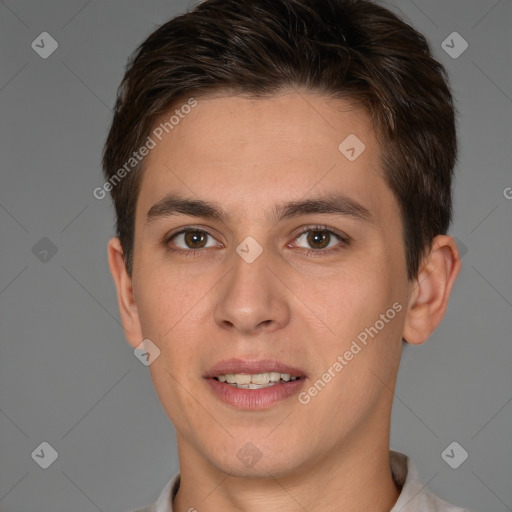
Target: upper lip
248	366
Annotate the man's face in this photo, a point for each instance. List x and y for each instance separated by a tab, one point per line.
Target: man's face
291	303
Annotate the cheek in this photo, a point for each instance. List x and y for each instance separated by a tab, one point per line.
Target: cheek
166	298
172	311
364	308
169	317
357	294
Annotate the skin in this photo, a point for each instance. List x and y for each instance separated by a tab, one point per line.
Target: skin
301	309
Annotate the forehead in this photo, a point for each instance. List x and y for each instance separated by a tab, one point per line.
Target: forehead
249	153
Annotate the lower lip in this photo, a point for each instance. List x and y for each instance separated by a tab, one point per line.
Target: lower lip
254	399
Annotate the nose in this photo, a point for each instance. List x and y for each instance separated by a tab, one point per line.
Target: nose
251	299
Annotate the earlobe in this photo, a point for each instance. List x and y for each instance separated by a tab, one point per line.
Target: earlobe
430	292
125	296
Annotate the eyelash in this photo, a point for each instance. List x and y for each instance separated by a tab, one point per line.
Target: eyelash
344	239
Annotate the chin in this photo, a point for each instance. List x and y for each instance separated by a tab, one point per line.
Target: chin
258	459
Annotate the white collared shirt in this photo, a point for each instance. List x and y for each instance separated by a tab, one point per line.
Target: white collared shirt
414	496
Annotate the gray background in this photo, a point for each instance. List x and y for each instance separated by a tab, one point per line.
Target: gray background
67	375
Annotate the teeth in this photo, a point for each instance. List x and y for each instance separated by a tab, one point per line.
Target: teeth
255	380
241	379
258	378
254	386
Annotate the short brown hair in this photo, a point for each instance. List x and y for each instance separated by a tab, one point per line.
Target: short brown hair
341	48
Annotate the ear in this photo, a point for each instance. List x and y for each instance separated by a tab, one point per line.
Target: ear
430	291
125	297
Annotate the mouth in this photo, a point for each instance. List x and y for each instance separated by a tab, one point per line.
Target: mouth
253	385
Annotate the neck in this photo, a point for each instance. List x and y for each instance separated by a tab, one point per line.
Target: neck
355	477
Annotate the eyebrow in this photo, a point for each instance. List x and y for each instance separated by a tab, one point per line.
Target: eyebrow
333	203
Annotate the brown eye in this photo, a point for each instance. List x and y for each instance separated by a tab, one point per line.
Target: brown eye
318	239
195	239
191	239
